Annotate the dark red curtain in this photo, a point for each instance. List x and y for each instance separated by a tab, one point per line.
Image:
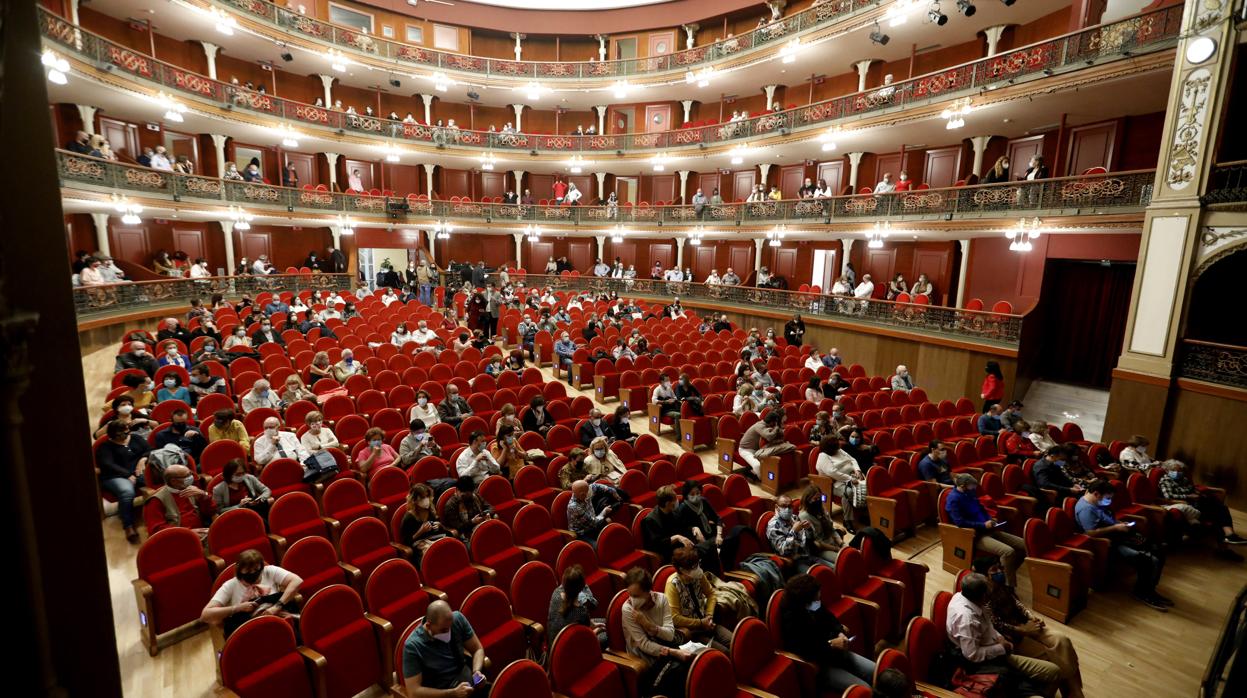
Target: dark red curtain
1084	307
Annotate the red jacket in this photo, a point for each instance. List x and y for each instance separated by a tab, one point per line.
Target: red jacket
993	388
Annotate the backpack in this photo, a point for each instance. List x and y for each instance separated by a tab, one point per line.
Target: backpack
161	458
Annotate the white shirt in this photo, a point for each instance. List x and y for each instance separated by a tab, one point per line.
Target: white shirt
427	414
864	290
713	280
840	467
388	299
234	591
318	442
885	187
573	195
1135	459
813	363
971	631
199	271
265	451
253	400
259	267
674	275
399	340
161	162
423	336
477	466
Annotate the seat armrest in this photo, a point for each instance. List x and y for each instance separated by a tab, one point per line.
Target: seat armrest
217	564
488	574
383	630
318	666
435	592
402	550
352	572
568	536
537	629
529	553
624	660
757	692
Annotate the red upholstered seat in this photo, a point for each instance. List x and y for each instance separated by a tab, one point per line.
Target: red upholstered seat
333	623
346	500
522	679
758	665
366	544
446	566
261	660
238	530
581	553
505	639
579	669
394	592
491	545
316	562
534	529
175	583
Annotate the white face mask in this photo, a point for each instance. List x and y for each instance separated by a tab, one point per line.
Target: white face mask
125	409
442	637
271	431
424	503
423	401
599	453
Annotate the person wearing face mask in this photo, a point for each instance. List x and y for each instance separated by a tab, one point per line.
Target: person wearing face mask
204	383
1018	446
1049	474
982	649
824	535
848	482
454	409
185	504
348	367
121	461
668	403
375	453
695	515
417	444
1093	516
424	409
934	466
171	388
257	589
815	634
862	450
172	328
536	417
210	350
594	428
508	453
260	395
125	413
225	427
138	357
319	368
276	443
574	469
621	426
318	437
791	537
420	528
476	462
1135	456
769	429
902	380
266	334
295	391
564	350
465	509
1027	630
690	594
601	462
1197	506
172	356
663	531
650	635
237	339
183	434
965	511
238	488
444	657
573	603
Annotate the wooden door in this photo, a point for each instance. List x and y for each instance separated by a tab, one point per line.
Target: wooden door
625	47
1020	152
183	144
708	183
626	189
790	180
129	243
941	167
580	254
662	188
538	254
661	43
784	263
703	262
935	264
740	259
190	241
833	174
625	251
254	244
885	163
742	184
122	137
658	252
1091	146
621	120
365	169
493	184
657	117
454	183
880	264
542	186
304	167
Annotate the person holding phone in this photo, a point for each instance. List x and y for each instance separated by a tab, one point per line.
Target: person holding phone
1095	518
817	636
257	589
444	656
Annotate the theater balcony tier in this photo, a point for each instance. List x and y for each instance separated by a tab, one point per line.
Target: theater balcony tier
90	179
1050	70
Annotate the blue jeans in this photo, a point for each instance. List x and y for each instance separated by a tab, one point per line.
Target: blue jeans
853	670
426	294
1147	566
124	491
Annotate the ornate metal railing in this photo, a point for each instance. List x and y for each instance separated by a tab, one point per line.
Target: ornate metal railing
1228	183
1111	192
108	299
1224	364
999	329
1144	33
413	55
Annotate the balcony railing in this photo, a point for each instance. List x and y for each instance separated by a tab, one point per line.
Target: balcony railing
1118	192
998	329
1224	364
109	299
413	55
1228	183
1140	34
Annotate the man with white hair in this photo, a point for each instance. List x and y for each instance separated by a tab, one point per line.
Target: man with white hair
731	278
865	289
423	335
347	367
276	443
564	349
260	395
594	428
713	279
444	656
138	357
902	380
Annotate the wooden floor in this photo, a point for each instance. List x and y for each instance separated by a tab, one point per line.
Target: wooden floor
1126	649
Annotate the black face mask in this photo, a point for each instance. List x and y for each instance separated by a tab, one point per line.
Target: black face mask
251	577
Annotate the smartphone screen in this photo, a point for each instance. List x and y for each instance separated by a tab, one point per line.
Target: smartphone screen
1131	523
477	679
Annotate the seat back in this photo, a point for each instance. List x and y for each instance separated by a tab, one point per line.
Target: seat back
261	659
394	592
574	658
531	588
333	624
521	679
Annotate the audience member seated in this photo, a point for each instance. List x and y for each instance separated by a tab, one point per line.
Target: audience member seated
564	350
817	636
1011	414
621	427
695	515
575	468
238	488
862	450
1049	474
965	511
690	595
981	649
989	422
266	335
173	357
319	369
663	531
849	483
476	462
138	357
664	396
934	466
225	427
318	437
454	409
347	367
1195	505
793	538
172	389
444	657
1095	519
184	503
276	443
537	418
770	429
508	453
824	535
1026	629
376	455
594	428
424	409
902	380
257	589
1018	445
295	391
649	635
1039	436
573	603
1135	456
238	339
181	433
260	395
420	528
465	510
173	329
602	462
120	461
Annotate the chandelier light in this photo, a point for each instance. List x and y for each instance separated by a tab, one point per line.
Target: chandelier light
129	211
242	219
696	234
346	226
1020	237
621	89
533	90
660	161
58	68
738	154
289	137
337	60
441	82
173	108
619	234
223	21
533	232
701	77
790	50
875	238
488	161
442	230
955	114
776	235
899	12
575	164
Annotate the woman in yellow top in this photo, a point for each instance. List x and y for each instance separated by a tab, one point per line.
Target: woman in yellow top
507	451
690	593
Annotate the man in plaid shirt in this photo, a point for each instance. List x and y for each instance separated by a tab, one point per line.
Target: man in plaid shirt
1197	506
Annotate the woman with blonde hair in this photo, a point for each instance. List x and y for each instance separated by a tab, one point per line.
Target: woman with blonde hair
744	402
295	391
318	437
320	367
999	172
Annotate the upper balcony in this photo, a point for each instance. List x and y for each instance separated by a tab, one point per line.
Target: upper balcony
91	179
1126	47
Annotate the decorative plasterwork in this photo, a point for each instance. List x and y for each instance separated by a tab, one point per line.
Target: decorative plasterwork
1188	130
1216	244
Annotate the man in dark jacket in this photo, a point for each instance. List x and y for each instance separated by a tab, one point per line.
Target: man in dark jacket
121	461
661	530
337	261
1050	476
138	357
594	427
817	636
